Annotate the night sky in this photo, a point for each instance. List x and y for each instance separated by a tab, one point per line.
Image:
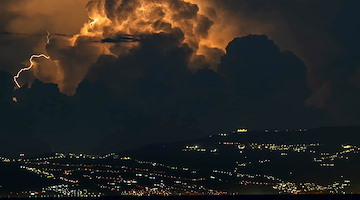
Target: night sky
126	73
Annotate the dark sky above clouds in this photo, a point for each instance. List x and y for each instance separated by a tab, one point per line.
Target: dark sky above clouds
143	73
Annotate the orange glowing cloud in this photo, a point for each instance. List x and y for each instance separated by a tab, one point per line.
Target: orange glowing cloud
204	26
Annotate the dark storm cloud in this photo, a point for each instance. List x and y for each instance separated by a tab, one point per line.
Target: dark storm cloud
257	85
151	76
324	34
150	95
302	27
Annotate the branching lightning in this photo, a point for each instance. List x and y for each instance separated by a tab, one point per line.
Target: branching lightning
32	62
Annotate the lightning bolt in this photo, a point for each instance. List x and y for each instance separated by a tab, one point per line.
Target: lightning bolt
32	62
48	37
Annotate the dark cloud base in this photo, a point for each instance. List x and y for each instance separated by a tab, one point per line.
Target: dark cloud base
151	96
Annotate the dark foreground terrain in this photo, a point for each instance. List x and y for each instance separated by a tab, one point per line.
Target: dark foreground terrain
270	162
241	197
